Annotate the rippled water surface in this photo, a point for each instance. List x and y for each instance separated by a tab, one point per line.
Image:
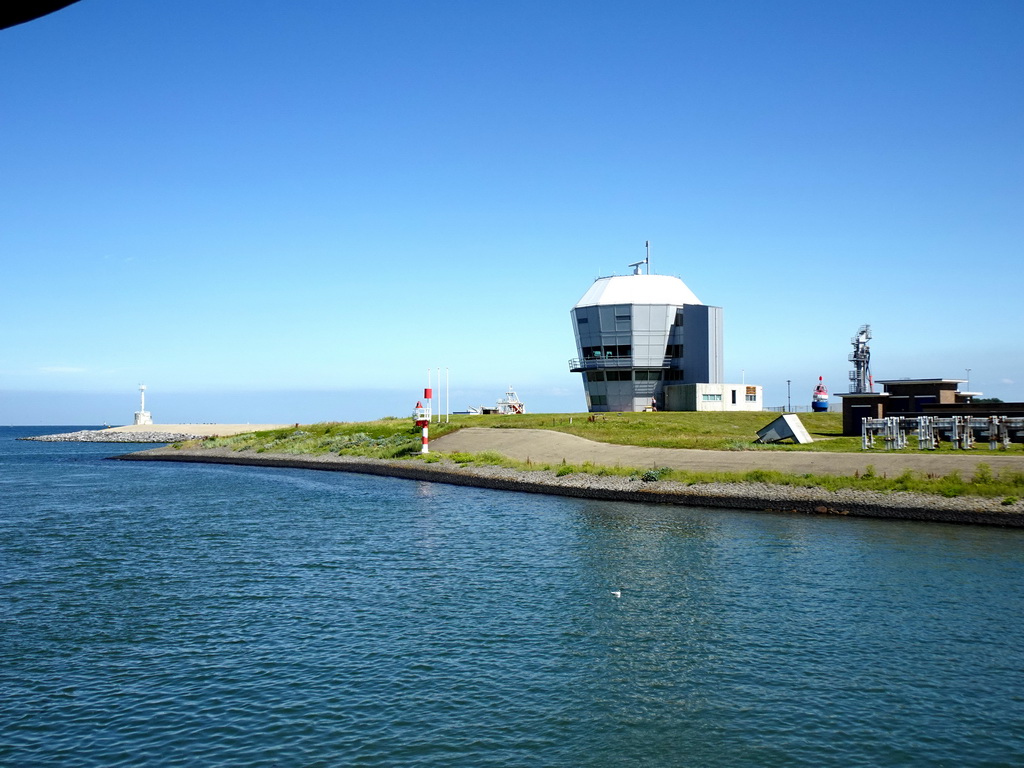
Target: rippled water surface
207	615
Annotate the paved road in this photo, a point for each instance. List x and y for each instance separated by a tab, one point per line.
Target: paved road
548	447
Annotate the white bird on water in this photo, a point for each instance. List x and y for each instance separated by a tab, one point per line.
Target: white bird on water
616	593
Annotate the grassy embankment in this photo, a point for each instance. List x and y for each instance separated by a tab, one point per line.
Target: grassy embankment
397	438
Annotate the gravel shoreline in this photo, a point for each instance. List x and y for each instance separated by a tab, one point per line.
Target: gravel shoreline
759	497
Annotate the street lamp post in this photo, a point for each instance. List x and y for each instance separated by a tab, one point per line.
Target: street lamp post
789	403
968	379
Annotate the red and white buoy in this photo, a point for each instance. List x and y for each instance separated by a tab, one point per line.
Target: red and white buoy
422	418
819	400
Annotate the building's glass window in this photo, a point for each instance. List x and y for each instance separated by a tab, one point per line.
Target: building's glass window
751	398
679	317
673	375
610	350
619	376
582	320
674	350
599	399
595	375
709	398
648	376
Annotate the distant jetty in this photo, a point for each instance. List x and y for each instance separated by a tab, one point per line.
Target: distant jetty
110	436
154	433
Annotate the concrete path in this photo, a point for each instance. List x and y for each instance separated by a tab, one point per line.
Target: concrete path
548	447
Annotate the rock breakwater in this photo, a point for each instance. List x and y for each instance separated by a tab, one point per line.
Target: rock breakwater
110	436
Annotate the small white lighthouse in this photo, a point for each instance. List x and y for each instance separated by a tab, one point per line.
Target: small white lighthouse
142	416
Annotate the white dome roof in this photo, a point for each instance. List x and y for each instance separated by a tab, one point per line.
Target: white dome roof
638	289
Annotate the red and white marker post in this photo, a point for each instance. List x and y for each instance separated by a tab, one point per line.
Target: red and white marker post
422	419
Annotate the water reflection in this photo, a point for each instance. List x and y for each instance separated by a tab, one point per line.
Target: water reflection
784	618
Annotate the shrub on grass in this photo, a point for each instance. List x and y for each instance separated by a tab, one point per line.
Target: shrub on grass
653	475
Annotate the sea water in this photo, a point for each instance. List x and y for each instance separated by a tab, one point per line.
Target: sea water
190	614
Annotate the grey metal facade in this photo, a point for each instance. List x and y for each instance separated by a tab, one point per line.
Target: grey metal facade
628	353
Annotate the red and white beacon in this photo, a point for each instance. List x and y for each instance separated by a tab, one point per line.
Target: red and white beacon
422	418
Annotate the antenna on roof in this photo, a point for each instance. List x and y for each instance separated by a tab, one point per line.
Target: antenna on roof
647	261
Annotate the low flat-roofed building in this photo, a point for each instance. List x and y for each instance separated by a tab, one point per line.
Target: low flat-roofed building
911	395
901	397
714	397
858	406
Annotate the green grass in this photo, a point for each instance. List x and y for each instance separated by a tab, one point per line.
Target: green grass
382	439
1008	485
711	431
399	438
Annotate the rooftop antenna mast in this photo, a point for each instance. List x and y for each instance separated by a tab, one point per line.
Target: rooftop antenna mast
646	262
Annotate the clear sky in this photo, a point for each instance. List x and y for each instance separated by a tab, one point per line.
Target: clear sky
281	211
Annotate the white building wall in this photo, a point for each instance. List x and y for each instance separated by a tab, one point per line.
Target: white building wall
714	397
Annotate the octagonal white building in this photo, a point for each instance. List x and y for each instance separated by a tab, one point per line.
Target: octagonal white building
638	337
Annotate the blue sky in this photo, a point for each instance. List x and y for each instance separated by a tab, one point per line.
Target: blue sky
276	211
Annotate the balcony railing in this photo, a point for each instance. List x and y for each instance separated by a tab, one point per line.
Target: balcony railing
578	365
